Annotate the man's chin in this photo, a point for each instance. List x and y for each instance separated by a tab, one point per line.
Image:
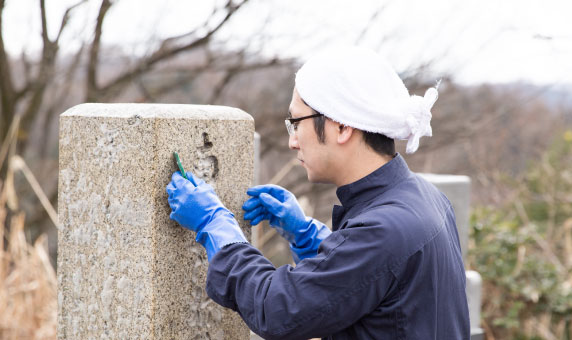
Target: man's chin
312	178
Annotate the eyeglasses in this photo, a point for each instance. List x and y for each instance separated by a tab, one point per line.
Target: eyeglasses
292	123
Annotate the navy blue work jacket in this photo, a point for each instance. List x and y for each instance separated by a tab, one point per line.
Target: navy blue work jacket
391	269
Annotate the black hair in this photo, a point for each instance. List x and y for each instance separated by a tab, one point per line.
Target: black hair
381	144
319	123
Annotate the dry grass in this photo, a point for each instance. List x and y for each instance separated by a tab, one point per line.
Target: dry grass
28	300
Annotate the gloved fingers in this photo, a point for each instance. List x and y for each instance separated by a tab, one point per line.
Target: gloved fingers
273	205
178	180
273	221
266	188
172	216
256	190
268	216
172	198
173	204
258	219
251	204
194	179
170	188
249	215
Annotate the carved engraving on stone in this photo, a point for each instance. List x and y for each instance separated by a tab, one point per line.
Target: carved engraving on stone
207	165
134	120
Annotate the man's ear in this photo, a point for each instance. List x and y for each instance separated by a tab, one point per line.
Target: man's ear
345	133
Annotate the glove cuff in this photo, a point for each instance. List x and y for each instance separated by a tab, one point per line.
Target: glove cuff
219	232
307	241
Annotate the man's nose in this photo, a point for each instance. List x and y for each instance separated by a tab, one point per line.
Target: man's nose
293	142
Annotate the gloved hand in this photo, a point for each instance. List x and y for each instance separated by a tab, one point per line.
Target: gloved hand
280	207
195	206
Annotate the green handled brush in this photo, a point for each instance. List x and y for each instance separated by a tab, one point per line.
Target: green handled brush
178	160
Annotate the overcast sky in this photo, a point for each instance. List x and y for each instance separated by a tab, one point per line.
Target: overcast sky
473	40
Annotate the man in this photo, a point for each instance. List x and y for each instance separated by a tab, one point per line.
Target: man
391	268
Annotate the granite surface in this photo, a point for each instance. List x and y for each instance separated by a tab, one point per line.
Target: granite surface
125	270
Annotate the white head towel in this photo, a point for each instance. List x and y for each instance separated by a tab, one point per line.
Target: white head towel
356	87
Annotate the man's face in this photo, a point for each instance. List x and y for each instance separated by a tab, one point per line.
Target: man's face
314	156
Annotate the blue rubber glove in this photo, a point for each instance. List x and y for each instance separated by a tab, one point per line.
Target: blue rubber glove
280	207
195	206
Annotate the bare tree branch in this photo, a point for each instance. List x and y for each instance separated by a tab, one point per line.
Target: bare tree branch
66	18
37	86
232	72
68	82
27	68
165	52
371	21
93	63
7	102
154	94
45	37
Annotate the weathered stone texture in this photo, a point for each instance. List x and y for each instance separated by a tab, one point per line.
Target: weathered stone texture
125	270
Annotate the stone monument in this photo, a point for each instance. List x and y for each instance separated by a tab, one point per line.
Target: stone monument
125	270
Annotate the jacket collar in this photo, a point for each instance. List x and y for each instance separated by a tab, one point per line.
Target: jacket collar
375	183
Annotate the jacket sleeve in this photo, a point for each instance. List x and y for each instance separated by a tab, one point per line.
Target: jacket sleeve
321	296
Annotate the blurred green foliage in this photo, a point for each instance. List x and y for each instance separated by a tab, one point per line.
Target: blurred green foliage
523	251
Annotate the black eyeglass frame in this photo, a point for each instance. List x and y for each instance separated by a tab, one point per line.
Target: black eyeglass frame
296	120
291	121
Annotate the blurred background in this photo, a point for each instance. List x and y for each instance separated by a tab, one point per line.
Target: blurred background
504	118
